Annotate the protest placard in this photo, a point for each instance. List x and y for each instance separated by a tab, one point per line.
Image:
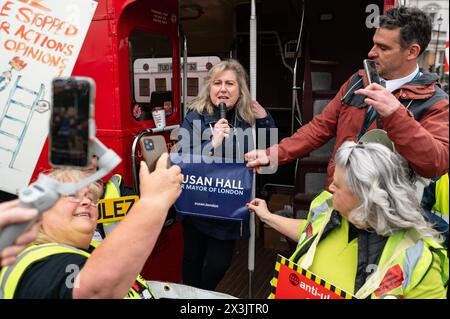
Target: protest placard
39	40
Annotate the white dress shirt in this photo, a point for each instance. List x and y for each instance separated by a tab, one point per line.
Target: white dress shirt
395	84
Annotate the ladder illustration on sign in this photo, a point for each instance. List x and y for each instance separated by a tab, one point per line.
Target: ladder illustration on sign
23	122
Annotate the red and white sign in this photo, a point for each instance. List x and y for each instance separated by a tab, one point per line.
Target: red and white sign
39	40
294	282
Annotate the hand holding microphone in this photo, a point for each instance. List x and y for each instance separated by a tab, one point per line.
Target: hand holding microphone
221	129
222	110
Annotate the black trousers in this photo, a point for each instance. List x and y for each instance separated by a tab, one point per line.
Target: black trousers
206	259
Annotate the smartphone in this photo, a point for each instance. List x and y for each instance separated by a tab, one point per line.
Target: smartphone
152	148
71	122
371	71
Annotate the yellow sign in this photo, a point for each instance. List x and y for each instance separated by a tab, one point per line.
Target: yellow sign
114	209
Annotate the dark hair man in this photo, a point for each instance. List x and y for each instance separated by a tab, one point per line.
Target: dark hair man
411	108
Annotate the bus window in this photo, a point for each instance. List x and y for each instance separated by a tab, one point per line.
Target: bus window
192	86
157	73
145	49
160	84
144	87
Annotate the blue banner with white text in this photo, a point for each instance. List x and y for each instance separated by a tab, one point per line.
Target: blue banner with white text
213	189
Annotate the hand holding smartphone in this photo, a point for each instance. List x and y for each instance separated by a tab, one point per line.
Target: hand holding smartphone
71	124
371	71
152	148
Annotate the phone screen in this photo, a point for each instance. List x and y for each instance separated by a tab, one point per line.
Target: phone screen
69	124
371	71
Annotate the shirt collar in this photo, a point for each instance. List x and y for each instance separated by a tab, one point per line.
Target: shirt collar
395	84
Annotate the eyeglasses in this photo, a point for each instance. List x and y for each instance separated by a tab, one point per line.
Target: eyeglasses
77	199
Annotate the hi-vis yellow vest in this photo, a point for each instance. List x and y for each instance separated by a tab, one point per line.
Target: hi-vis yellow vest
10	276
112	190
413	264
442	196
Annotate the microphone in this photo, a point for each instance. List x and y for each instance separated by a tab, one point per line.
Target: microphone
222	110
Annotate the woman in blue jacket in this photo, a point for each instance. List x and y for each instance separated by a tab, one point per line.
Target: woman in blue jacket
209	243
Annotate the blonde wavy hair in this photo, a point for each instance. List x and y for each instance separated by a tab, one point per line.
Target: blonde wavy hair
202	103
68	175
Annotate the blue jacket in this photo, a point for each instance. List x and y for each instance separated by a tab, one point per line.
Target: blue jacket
220	229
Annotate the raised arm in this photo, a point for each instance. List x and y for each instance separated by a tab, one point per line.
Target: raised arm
287	226
112	268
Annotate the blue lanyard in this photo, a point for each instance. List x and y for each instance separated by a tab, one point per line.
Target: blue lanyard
371	115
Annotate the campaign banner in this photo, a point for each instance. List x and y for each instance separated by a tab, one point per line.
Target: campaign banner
115	209
293	282
214	189
39	40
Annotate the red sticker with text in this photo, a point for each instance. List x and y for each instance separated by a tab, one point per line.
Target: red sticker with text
392	280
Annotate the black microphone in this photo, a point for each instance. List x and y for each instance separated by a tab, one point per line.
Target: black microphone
222	110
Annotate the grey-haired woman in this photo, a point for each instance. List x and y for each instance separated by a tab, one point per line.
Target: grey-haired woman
373	241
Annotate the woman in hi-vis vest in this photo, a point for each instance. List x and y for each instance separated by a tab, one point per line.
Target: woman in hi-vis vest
61	263
369	237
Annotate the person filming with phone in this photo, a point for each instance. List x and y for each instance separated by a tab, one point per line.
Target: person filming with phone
63	262
60	263
408	104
